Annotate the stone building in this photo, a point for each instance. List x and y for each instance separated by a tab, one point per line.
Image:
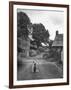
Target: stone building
58	45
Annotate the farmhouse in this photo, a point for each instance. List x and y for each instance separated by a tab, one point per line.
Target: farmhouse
58	45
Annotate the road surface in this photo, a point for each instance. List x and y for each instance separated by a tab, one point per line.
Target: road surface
45	70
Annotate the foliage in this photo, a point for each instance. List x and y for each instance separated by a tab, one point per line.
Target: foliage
22	22
50	43
40	34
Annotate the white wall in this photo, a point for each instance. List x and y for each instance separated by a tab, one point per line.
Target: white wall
4	44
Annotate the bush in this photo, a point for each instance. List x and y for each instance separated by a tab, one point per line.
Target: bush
33	53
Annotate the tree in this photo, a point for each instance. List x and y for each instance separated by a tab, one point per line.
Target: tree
50	43
40	34
22	22
22	32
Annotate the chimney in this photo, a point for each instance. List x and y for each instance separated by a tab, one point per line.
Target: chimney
57	32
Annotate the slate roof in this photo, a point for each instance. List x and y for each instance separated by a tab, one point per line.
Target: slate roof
58	41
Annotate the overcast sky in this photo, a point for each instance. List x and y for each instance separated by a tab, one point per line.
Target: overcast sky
52	20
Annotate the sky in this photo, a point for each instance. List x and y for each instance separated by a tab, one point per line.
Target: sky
52	20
